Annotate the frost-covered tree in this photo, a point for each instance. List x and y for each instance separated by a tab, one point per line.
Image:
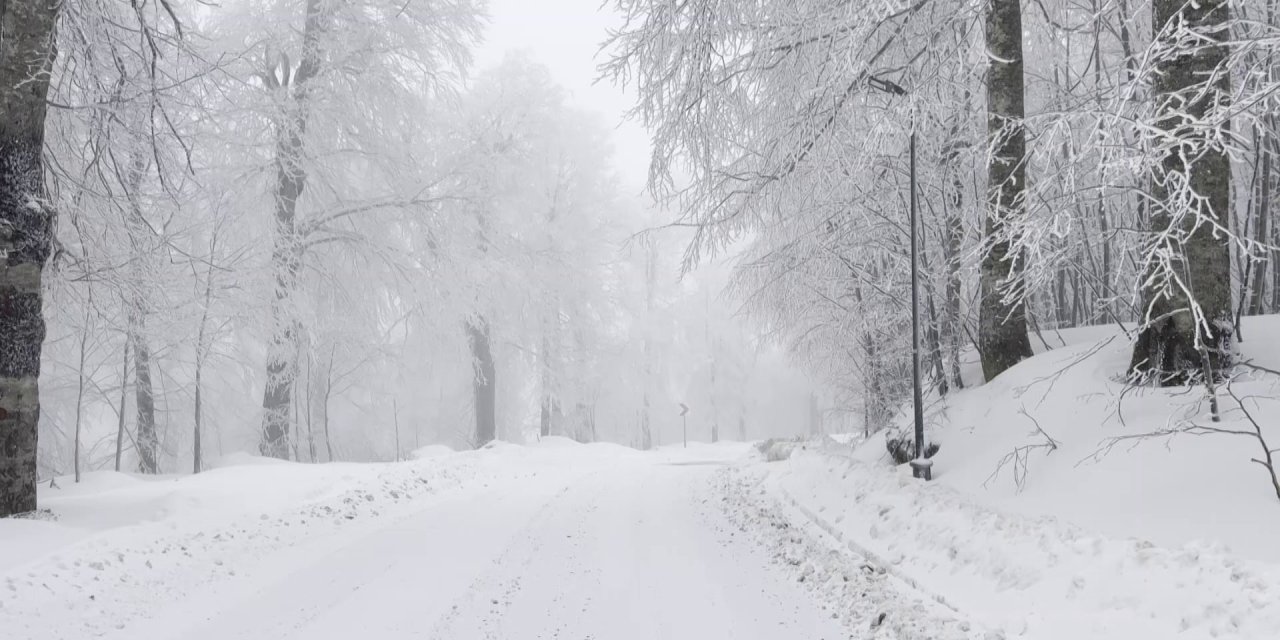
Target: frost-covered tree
345	50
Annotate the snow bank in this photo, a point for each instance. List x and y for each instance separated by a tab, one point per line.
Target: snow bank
859	589
431	451
244	458
555	442
122	546
1027	576
1172	491
1052	516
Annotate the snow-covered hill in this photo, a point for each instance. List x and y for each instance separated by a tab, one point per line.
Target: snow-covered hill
1101	535
1169	490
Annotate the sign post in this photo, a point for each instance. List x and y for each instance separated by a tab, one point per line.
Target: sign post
684	423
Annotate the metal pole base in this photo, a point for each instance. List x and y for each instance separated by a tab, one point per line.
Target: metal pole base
922	468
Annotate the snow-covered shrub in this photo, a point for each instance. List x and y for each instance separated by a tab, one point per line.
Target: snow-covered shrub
902	446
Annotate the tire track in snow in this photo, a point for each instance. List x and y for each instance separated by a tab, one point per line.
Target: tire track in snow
639	552
491	594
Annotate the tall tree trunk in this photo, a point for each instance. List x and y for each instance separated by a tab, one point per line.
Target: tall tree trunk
873	400
26	237
328	393
1002	326
124	396
141	276
84	357
202	349
309	403
932	335
715	407
395	417
550	404
1172	345
1257	304
650	290
952	243
484	383
197	460
286	257
144	401
1104	225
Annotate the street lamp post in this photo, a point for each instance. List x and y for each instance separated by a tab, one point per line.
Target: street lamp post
921	467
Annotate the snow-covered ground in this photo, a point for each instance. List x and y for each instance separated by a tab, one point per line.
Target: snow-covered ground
551	540
1024	576
562	540
1102	535
1185	489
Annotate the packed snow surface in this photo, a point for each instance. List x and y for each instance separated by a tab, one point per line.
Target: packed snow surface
562	540
553	540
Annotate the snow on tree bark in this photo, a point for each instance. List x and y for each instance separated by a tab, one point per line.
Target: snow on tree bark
26	235
286	257
1187	300
148	442
1002	326
484	383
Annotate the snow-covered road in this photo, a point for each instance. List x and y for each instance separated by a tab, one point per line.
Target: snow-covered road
574	546
632	553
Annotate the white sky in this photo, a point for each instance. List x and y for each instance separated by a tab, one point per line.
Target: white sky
565	35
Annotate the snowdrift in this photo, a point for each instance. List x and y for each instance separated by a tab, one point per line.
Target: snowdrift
1061	435
1056	513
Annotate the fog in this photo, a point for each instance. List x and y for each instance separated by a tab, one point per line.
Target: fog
348	234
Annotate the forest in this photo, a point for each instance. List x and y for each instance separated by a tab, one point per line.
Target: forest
637	319
324	206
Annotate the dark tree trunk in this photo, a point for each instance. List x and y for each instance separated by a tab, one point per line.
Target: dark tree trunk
1104	225
26	237
197	459
952	244
286	257
873	394
1002	326
1172	346
932	336
124	395
484	382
